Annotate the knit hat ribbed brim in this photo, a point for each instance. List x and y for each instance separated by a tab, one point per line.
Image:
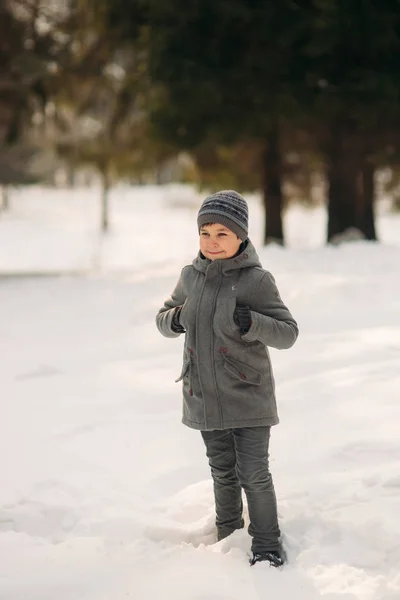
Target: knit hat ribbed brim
228	208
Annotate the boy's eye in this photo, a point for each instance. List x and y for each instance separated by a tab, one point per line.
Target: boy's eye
222	234
204	233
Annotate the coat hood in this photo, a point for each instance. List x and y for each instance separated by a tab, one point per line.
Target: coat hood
247	258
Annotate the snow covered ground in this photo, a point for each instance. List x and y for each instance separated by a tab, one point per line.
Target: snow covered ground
104	494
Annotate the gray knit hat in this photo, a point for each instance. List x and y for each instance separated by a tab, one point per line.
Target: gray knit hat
227	208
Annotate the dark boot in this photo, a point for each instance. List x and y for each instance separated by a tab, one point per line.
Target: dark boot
273	557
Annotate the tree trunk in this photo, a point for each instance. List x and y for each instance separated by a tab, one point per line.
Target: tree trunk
5	199
272	188
366	213
105	200
70	176
342	173
342	198
158	172
351	183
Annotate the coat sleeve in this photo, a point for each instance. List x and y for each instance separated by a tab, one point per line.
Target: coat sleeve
271	322
166	313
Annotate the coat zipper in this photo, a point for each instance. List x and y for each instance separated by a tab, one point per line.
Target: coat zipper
212	342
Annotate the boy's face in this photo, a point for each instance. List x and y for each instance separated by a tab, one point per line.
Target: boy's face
217	241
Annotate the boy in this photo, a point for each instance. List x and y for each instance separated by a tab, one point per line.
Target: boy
230	311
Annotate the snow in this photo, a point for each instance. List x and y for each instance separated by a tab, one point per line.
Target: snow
105	495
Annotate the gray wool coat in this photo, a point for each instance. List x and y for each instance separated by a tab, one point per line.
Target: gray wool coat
227	377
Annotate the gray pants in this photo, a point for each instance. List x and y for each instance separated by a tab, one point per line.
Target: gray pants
239	459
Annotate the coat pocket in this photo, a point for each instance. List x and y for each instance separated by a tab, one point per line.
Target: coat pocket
185	370
241	371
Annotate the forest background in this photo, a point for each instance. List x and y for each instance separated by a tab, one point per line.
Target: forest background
296	100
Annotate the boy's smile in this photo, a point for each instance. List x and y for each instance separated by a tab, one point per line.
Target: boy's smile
218	242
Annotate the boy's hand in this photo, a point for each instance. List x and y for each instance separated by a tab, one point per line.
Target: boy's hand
242	318
176	326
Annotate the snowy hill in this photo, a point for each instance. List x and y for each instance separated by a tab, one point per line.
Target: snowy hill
104	494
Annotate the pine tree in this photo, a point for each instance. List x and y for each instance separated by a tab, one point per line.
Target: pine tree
228	71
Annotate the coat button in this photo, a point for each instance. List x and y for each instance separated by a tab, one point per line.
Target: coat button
223	350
